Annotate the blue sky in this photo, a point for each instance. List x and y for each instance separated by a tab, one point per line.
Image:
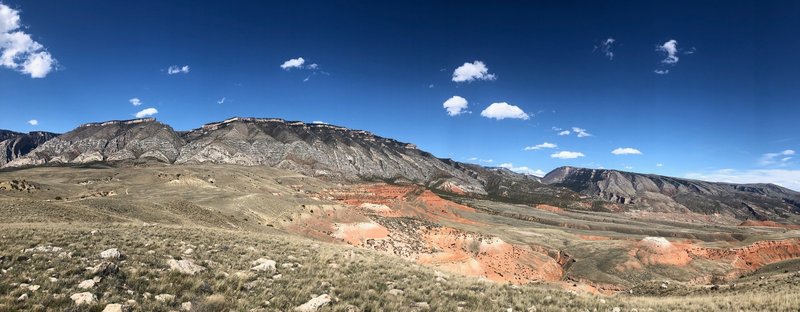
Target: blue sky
707	90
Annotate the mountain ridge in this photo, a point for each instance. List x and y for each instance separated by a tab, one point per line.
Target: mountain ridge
324	150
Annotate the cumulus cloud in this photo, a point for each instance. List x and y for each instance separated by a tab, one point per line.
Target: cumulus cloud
293	63
564	132
299	63
777	159
522	169
626	151
32	122
146	112
472	71
567	155
135	101
221	101
541	146
175	69
504	110
455	105
18	51
605	47
670	51
582	133
786	178
659	165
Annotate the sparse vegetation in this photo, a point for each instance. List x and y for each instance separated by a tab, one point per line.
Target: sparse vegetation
358	280
155	218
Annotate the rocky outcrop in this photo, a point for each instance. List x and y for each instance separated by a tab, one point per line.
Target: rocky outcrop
312	149
667	194
15	145
184	266
119	140
318	150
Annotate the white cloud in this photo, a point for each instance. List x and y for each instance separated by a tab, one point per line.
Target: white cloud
522	169
541	146
567	155
18	51
776	159
146	112
605	48
626	151
503	110
32	122
659	165
319	122
294	63
299	63
9	19
581	132
221	101
786	178
455	105
38	64
472	71
175	69
430	86
565	132
670	50
135	101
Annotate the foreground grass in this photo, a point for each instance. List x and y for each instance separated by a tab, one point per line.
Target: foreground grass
357	280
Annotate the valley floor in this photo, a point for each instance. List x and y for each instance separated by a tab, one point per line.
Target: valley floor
211	238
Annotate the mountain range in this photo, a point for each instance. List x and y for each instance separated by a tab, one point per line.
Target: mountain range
333	152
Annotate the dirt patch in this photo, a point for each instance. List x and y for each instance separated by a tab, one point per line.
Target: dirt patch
358	233
753	256
548	208
488	256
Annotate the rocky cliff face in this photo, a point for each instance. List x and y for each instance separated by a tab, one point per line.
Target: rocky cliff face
318	150
311	149
15	145
667	194
108	141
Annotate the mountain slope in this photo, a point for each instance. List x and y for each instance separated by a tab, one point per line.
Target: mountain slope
338	153
15	145
107	141
667	194
318	150
311	149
